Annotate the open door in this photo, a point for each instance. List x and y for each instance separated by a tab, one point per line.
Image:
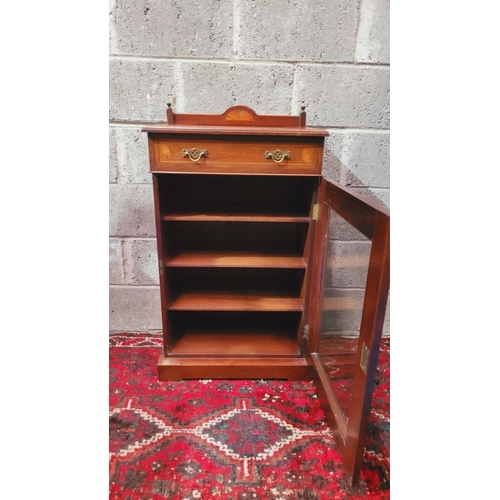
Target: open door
351	285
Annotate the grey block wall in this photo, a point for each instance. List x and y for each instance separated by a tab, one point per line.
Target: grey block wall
273	56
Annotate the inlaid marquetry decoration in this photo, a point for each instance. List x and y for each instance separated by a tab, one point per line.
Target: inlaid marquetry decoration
306	155
165	152
239	115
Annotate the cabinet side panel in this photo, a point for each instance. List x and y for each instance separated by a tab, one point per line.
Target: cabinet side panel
309	255
317	269
160	241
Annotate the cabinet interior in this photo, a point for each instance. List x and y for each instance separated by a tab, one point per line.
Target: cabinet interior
234	256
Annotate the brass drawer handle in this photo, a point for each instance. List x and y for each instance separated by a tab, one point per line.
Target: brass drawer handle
194	154
277	156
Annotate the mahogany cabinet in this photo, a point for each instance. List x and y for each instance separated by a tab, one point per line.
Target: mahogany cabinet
247	259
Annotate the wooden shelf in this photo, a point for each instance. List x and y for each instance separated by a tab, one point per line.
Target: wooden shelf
203	258
235	217
231	301
235	342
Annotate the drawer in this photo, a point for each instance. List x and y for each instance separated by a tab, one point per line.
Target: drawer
208	154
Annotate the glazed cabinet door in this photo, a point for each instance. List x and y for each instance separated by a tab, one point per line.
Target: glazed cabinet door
350	286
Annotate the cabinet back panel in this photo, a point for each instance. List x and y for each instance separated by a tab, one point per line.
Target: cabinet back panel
235	236
214	320
285	282
235	194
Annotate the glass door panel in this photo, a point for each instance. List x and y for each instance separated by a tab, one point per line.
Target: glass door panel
346	269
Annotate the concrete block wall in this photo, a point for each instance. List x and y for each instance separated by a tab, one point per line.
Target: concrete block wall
273	56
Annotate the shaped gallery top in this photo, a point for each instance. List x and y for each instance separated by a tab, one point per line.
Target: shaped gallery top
236	120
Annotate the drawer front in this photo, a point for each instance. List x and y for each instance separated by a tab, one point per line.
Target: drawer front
234	155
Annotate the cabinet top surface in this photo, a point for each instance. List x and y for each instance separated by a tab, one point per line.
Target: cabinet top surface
231	130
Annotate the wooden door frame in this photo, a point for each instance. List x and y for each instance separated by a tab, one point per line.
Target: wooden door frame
373	221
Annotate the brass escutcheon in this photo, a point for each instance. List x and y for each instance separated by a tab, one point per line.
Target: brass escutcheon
277	156
194	154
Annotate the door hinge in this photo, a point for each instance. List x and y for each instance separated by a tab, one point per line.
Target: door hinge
305	332
315	212
160	267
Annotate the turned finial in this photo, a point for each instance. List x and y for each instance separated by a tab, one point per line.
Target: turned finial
302	116
170	114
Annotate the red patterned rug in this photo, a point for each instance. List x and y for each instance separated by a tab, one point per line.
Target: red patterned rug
229	439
